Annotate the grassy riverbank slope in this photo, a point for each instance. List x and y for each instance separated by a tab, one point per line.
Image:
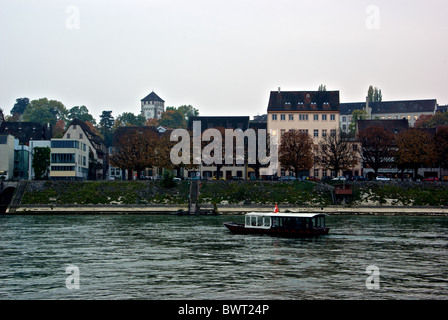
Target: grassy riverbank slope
303	193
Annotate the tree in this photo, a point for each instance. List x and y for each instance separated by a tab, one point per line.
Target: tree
295	151
322	87
41	162
44	111
129	119
58	129
336	152
432	121
173	119
106	127
415	148
81	113
136	149
374	94
357	115
441	140
94	166
188	111
376	147
19	107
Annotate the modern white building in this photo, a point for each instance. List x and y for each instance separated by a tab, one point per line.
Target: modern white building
152	106
35	144
69	159
7	143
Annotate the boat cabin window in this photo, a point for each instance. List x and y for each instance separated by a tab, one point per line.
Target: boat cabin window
258	221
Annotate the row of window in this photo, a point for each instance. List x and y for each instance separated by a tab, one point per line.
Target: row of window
349	118
68	144
68	158
303	117
315	132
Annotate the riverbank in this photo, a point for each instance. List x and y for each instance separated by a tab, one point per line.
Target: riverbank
231	198
225	210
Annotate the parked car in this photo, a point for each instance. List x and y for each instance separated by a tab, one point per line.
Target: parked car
237	178
383	178
177	179
359	178
341	178
287	178
326	178
313	179
431	179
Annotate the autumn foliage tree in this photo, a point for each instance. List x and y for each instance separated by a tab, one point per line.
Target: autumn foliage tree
336	152
376	147
138	148
295	151
441	139
415	149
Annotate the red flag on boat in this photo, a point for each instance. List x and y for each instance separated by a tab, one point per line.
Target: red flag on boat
276	209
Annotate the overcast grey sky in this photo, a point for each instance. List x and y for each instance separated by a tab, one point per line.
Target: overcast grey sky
222	57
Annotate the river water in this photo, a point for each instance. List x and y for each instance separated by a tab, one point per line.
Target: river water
164	257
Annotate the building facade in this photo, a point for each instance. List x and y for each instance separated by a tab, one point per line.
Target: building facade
313	112
152	106
69	159
7	152
410	110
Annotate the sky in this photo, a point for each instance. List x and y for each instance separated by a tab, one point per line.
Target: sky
222	57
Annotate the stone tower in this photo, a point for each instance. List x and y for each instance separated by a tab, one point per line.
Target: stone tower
152	106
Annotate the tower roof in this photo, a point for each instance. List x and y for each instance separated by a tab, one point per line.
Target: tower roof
152	97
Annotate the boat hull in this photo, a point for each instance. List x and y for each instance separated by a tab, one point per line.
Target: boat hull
238	228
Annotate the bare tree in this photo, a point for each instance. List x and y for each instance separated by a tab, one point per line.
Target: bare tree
336	152
295	151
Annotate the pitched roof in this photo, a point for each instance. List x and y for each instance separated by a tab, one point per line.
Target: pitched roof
26	131
97	142
389	125
403	106
229	122
348	108
152	97
303	101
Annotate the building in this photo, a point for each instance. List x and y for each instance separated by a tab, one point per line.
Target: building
35	144
388	110
7	142
221	171
80	130
313	112
69	159
152	106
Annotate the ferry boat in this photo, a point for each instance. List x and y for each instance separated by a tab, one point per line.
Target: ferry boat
281	224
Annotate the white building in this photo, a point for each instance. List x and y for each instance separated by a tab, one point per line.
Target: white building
69	159
152	106
35	144
7	143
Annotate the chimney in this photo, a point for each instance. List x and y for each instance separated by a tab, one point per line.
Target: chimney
279	89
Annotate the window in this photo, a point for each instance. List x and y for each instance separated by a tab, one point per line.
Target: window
68	135
324	132
316	117
291	117
80	136
333	132
64	144
303	117
316	133
332	117
62	168
344	119
316	172
324	117
282	117
274	117
282	132
344	127
63	158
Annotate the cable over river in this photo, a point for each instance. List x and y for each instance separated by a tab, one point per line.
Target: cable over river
168	257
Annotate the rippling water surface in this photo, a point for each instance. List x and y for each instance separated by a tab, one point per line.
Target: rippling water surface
195	257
